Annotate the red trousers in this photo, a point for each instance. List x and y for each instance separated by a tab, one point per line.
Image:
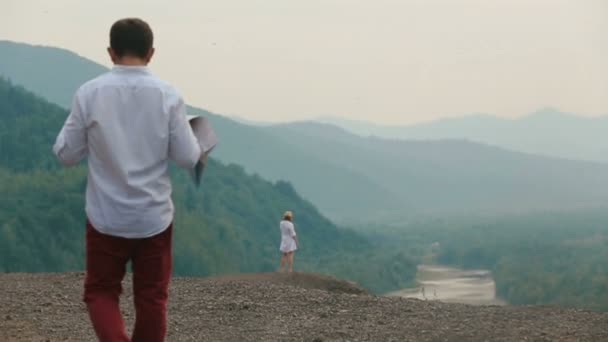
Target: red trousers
107	258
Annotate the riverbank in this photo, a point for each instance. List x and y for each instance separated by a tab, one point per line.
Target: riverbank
48	307
453	285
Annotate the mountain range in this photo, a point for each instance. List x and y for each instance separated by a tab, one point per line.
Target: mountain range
548	132
353	178
43	70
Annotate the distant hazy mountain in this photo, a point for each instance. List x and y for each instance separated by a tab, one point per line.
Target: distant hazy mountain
456	176
56	73
250	122
548	132
52	72
335	189
369	179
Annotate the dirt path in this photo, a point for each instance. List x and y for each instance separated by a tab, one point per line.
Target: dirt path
48	307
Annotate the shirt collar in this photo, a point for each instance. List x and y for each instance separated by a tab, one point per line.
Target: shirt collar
131	69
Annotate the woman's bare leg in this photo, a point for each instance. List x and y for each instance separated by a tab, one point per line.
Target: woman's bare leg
290	261
283	262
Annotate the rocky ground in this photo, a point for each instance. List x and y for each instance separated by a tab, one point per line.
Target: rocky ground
273	307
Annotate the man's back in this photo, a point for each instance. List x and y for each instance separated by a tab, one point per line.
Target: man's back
134	124
129	124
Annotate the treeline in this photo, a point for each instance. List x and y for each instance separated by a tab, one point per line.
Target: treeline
228	225
553	258
550	258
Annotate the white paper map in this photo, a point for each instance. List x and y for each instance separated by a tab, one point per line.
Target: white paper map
207	139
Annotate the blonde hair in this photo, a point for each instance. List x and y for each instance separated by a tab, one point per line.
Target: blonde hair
288	215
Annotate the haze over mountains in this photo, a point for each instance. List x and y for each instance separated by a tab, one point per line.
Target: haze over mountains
361	179
455	176
403	196
547	131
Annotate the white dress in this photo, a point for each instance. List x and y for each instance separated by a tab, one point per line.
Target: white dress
288	237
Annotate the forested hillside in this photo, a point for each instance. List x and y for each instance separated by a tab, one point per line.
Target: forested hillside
549	258
51	72
55	74
228	225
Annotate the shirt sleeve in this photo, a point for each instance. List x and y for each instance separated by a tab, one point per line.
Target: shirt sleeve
184	148
71	143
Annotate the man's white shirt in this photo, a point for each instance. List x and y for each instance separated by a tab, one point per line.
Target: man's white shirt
129	124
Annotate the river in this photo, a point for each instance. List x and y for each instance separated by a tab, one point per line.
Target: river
453	285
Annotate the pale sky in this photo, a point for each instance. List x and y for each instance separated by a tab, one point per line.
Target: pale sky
388	61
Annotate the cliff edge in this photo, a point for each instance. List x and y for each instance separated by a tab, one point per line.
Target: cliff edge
277	307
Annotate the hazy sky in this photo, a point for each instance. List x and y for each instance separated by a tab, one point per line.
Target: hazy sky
390	61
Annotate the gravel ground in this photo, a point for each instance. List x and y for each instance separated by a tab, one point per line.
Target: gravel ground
48	307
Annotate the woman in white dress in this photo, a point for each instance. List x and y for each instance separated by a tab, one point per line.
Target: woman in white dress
289	242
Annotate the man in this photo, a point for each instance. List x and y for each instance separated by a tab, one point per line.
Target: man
129	124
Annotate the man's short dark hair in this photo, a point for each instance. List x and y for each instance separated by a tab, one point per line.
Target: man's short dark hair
131	36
